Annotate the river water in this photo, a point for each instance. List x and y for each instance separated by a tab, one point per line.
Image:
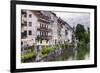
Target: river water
67	55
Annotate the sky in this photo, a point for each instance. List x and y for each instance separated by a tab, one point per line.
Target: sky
73	18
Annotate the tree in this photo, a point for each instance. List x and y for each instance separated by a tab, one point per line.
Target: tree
84	39
80	30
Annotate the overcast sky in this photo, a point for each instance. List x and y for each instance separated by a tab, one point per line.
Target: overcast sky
73	18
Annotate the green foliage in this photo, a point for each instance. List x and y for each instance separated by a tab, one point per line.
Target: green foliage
47	50
82	34
87	37
82	50
84	39
79	32
29	55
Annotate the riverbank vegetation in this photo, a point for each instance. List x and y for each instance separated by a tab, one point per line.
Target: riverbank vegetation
83	45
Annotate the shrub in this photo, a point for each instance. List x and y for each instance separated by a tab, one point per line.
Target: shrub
47	50
29	55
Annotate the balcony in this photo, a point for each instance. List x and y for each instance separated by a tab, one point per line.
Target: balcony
44	37
44	29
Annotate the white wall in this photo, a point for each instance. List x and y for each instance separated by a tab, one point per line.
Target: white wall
5	37
30	38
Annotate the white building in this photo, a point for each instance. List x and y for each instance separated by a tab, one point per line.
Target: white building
43	28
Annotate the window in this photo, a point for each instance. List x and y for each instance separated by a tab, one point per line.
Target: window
24	34
66	32
21	43
30	15
25	15
25	23
30	23
30	32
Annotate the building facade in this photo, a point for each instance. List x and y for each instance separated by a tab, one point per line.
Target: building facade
43	28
